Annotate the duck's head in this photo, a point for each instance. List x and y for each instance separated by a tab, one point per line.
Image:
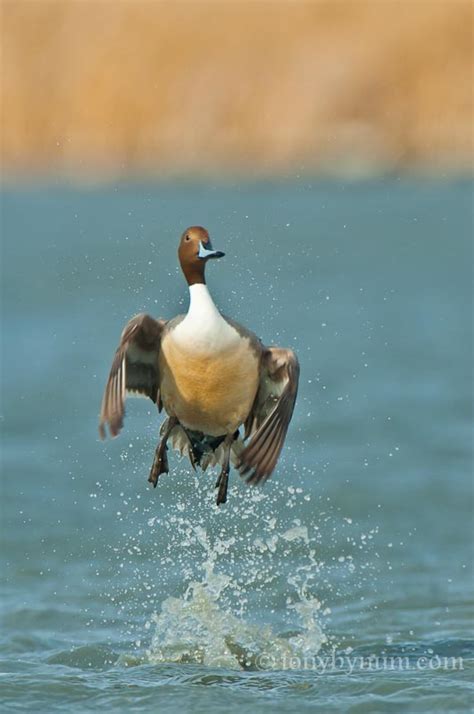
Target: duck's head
195	249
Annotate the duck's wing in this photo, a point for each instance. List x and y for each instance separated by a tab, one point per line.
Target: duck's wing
271	414
134	371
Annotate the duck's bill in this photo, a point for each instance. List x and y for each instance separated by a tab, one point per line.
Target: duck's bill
208	252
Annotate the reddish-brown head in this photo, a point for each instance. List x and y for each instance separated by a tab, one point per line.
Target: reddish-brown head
194	251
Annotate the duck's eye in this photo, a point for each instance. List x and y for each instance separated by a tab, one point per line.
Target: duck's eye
188	237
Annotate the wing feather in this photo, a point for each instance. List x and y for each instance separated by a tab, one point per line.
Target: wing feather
267	423
134	370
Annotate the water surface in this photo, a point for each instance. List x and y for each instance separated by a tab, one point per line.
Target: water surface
120	597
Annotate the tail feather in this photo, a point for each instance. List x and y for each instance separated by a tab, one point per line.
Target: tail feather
201	449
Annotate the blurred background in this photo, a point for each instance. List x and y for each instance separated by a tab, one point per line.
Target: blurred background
98	89
327	146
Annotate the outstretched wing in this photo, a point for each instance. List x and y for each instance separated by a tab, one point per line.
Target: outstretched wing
134	370
271	414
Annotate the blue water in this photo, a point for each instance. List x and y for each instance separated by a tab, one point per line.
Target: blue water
123	598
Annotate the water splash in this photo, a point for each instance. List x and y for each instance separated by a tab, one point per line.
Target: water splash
210	624
196	629
245	587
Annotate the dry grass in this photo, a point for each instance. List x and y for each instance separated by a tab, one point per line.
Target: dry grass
123	86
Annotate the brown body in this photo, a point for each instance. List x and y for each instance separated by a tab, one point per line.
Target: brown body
209	393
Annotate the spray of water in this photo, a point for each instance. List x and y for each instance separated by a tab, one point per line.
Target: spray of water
207	624
245	586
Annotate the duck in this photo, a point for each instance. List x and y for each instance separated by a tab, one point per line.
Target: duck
228	398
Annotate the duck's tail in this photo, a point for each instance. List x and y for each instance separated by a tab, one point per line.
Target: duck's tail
201	449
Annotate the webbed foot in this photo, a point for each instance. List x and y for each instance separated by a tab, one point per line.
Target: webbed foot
222	483
160	464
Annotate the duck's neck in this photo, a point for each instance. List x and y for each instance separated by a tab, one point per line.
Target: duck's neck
201	305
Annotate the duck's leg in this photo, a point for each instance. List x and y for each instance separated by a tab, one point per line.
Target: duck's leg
223	478
160	462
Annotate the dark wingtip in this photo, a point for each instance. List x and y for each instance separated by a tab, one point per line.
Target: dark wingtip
115	425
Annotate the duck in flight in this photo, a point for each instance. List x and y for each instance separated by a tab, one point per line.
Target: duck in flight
211	376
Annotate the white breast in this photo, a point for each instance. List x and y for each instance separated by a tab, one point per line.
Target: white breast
204	329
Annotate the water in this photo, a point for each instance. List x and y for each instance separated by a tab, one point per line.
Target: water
123	598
